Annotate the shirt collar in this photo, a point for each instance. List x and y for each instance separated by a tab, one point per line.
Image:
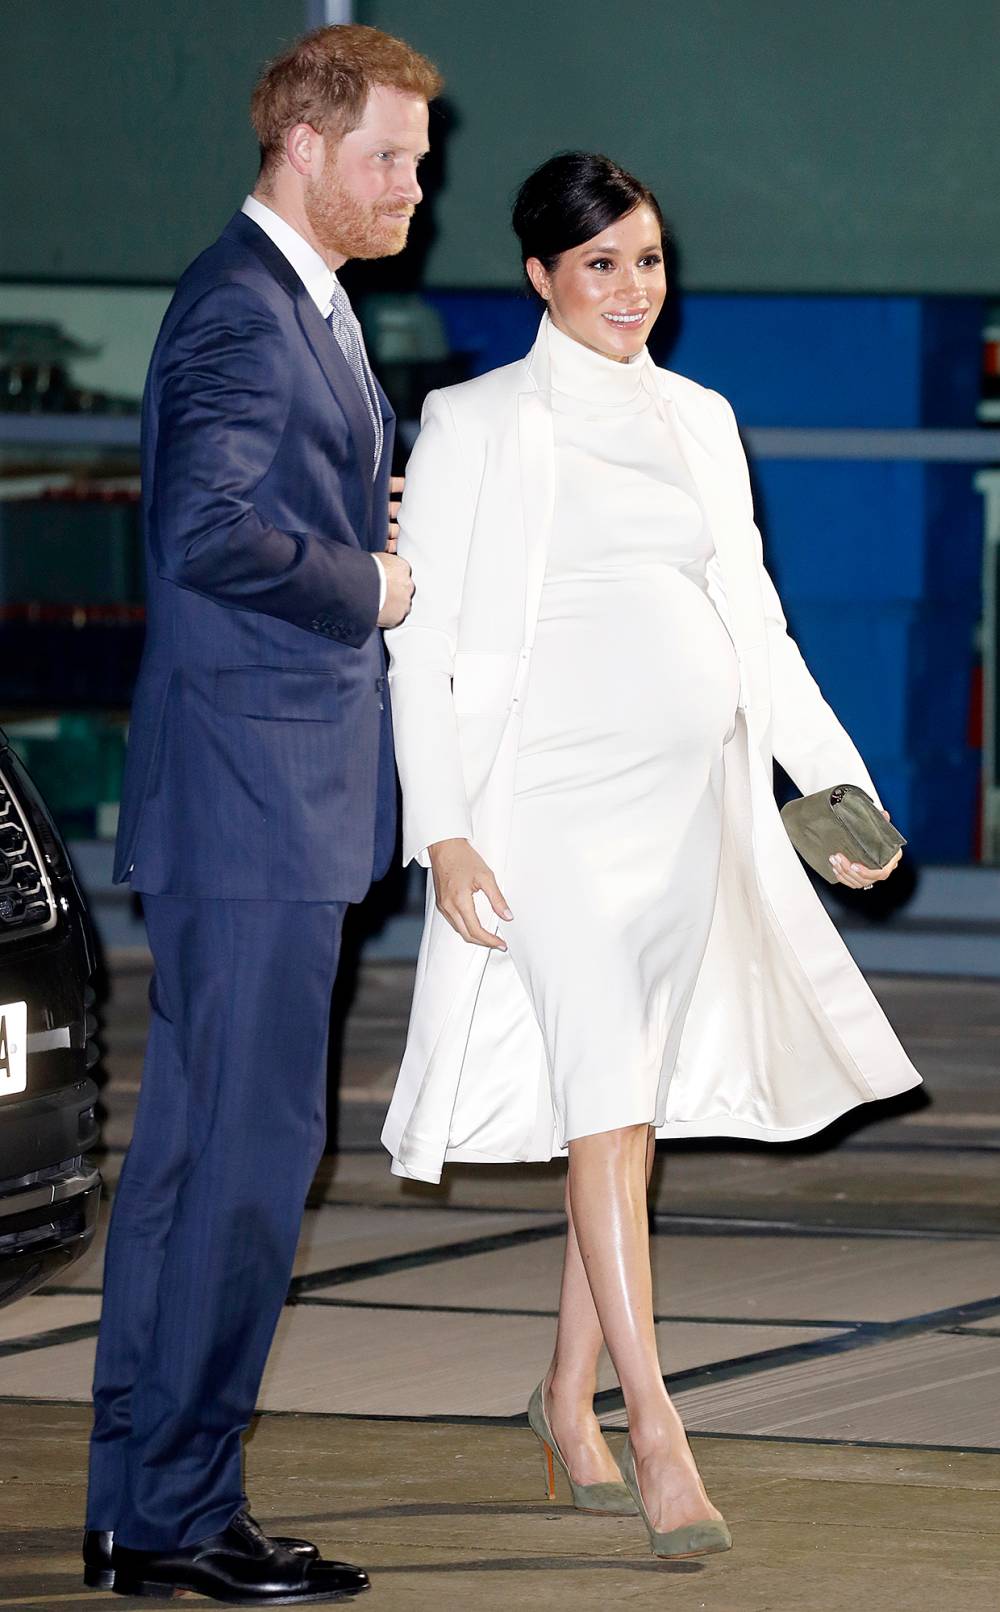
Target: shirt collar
317	277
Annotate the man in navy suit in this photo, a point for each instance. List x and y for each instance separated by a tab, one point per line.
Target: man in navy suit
259	801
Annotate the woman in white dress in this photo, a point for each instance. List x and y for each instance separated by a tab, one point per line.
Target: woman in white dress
581	703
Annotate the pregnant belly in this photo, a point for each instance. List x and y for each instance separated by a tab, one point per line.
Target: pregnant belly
627	671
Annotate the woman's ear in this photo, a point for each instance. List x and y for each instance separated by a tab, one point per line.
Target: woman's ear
539	277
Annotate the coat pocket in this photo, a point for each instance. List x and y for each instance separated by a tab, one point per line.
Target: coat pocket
276	694
482	681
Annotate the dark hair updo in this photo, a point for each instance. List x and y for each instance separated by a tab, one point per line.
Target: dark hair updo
570	199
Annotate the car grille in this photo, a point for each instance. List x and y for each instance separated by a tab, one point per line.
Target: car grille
26	900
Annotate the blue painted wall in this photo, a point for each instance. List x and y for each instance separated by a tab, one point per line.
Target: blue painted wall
878	563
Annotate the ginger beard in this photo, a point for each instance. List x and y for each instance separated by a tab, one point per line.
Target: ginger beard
343	223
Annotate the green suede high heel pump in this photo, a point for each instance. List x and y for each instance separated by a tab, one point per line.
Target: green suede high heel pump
610	1498
693	1539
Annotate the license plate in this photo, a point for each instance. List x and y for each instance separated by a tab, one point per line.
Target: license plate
13	1049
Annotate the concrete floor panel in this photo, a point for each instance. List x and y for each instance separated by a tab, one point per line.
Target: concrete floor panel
939	1388
368	1361
41	1314
447	1517
870	1187
744	1277
345	1235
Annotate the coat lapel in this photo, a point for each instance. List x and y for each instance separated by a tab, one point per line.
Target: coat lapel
537	459
727	521
736	549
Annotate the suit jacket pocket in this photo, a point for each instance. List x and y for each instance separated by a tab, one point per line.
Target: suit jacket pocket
277	694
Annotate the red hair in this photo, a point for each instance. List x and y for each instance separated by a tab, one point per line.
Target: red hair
325	78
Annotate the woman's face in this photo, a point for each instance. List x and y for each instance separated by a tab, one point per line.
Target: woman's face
607	293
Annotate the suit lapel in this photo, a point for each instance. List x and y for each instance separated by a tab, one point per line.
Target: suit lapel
379	527
339	377
325	347
386	408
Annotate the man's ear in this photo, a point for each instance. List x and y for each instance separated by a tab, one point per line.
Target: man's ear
305	150
539	277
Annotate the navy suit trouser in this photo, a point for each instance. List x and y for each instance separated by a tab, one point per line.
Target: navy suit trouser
229	1130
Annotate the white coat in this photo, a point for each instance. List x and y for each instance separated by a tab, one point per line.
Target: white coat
783	1034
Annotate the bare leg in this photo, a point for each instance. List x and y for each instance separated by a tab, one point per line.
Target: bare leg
571	1381
607	1190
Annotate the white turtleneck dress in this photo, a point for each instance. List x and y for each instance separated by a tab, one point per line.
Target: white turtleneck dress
616	834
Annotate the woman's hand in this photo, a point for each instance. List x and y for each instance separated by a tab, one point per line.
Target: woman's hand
396	485
459	872
856	876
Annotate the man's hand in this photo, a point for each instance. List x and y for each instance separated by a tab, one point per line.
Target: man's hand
399	593
396	485
459	872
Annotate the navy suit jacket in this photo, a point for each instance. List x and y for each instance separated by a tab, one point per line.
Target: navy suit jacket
260	751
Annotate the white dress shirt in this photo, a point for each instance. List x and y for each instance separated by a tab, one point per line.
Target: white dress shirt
318	279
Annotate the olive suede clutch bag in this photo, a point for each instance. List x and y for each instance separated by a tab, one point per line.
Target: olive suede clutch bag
844	820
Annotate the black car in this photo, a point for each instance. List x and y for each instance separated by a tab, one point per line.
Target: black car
49	1189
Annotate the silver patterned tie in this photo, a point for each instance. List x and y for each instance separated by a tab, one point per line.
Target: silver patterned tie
347	331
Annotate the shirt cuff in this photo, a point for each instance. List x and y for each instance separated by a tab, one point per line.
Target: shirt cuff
383	582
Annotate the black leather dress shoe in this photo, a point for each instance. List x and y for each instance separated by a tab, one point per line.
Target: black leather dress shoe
99	1574
240	1565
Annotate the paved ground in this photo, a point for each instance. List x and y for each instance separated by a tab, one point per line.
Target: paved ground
829	1318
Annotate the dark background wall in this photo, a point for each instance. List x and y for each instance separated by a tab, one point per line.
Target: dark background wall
796	146
124	130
